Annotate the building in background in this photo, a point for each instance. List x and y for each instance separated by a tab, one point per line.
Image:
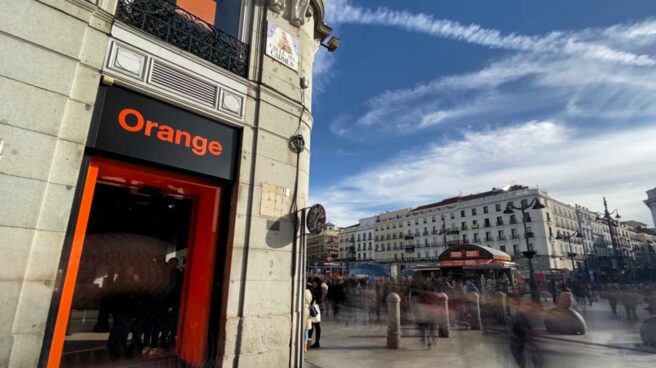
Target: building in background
651	203
323	247
420	234
126	126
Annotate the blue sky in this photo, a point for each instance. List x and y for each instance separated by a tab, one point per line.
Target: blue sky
428	99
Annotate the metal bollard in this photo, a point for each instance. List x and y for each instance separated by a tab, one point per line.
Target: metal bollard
393	321
443	329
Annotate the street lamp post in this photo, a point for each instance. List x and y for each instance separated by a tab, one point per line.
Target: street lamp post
567	236
611	223
529	253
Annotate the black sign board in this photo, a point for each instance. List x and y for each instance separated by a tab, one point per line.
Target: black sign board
134	125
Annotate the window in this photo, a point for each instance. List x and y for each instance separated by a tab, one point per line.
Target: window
498	207
462	213
488	236
484	209
524	203
433	218
499	220
425	220
516	249
503	248
487	222
514	234
452	216
476	239
463	225
464	238
473	211
475	222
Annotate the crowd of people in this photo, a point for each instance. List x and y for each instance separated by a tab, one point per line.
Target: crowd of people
143	303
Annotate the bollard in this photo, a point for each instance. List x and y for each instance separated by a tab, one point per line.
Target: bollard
443	327
474	301
501	306
393	321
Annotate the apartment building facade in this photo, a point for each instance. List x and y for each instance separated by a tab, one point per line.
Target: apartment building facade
420	234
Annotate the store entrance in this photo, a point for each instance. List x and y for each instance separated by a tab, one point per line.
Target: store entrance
138	288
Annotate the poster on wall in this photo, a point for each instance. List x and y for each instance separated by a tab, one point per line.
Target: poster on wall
282	46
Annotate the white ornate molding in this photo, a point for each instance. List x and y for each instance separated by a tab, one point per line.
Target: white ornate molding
277	6
299	11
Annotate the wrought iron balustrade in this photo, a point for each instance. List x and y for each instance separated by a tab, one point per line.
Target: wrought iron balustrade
180	28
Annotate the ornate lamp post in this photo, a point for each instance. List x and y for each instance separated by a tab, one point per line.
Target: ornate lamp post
612	223
567	236
529	253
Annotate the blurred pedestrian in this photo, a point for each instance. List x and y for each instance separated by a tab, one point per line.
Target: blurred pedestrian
612	293
307	321
630	299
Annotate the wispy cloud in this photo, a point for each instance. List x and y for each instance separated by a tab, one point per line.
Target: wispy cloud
574	166
570	111
343	11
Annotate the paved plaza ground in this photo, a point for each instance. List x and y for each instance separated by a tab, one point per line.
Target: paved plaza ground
611	341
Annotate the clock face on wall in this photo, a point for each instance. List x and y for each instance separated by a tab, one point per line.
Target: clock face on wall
316	219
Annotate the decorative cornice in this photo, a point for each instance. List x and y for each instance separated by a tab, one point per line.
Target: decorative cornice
277	6
321	29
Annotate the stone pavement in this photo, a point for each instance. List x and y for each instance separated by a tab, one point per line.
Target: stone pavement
611	342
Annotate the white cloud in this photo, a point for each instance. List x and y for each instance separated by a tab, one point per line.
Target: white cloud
343	11
575	166
572	112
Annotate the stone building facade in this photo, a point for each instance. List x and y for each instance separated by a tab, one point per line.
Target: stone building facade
241	71
323	247
420	234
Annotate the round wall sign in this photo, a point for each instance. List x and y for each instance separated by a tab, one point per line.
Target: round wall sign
316	219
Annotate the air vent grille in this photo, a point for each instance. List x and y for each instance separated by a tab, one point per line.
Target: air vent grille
183	84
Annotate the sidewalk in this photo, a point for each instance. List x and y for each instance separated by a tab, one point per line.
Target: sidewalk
611	342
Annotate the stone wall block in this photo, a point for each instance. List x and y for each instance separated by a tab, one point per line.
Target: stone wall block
94	48
20	200
279	121
264	334
32	108
44	256
271	233
9	293
33	305
46	27
272	358
36	66
15	244
275	147
66	163
269	265
6	342
85	84
274	172
26	153
268	297
56	208
245	166
25	351
76	121
242	203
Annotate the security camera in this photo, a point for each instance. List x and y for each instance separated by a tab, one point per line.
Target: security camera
332	45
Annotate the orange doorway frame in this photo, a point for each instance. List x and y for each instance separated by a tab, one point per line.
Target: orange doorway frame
193	321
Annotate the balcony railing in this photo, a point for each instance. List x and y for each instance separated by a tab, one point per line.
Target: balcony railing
501	237
184	30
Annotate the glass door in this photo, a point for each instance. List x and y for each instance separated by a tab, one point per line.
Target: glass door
139	279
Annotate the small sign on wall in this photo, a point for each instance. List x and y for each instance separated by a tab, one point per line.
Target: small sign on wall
282	46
